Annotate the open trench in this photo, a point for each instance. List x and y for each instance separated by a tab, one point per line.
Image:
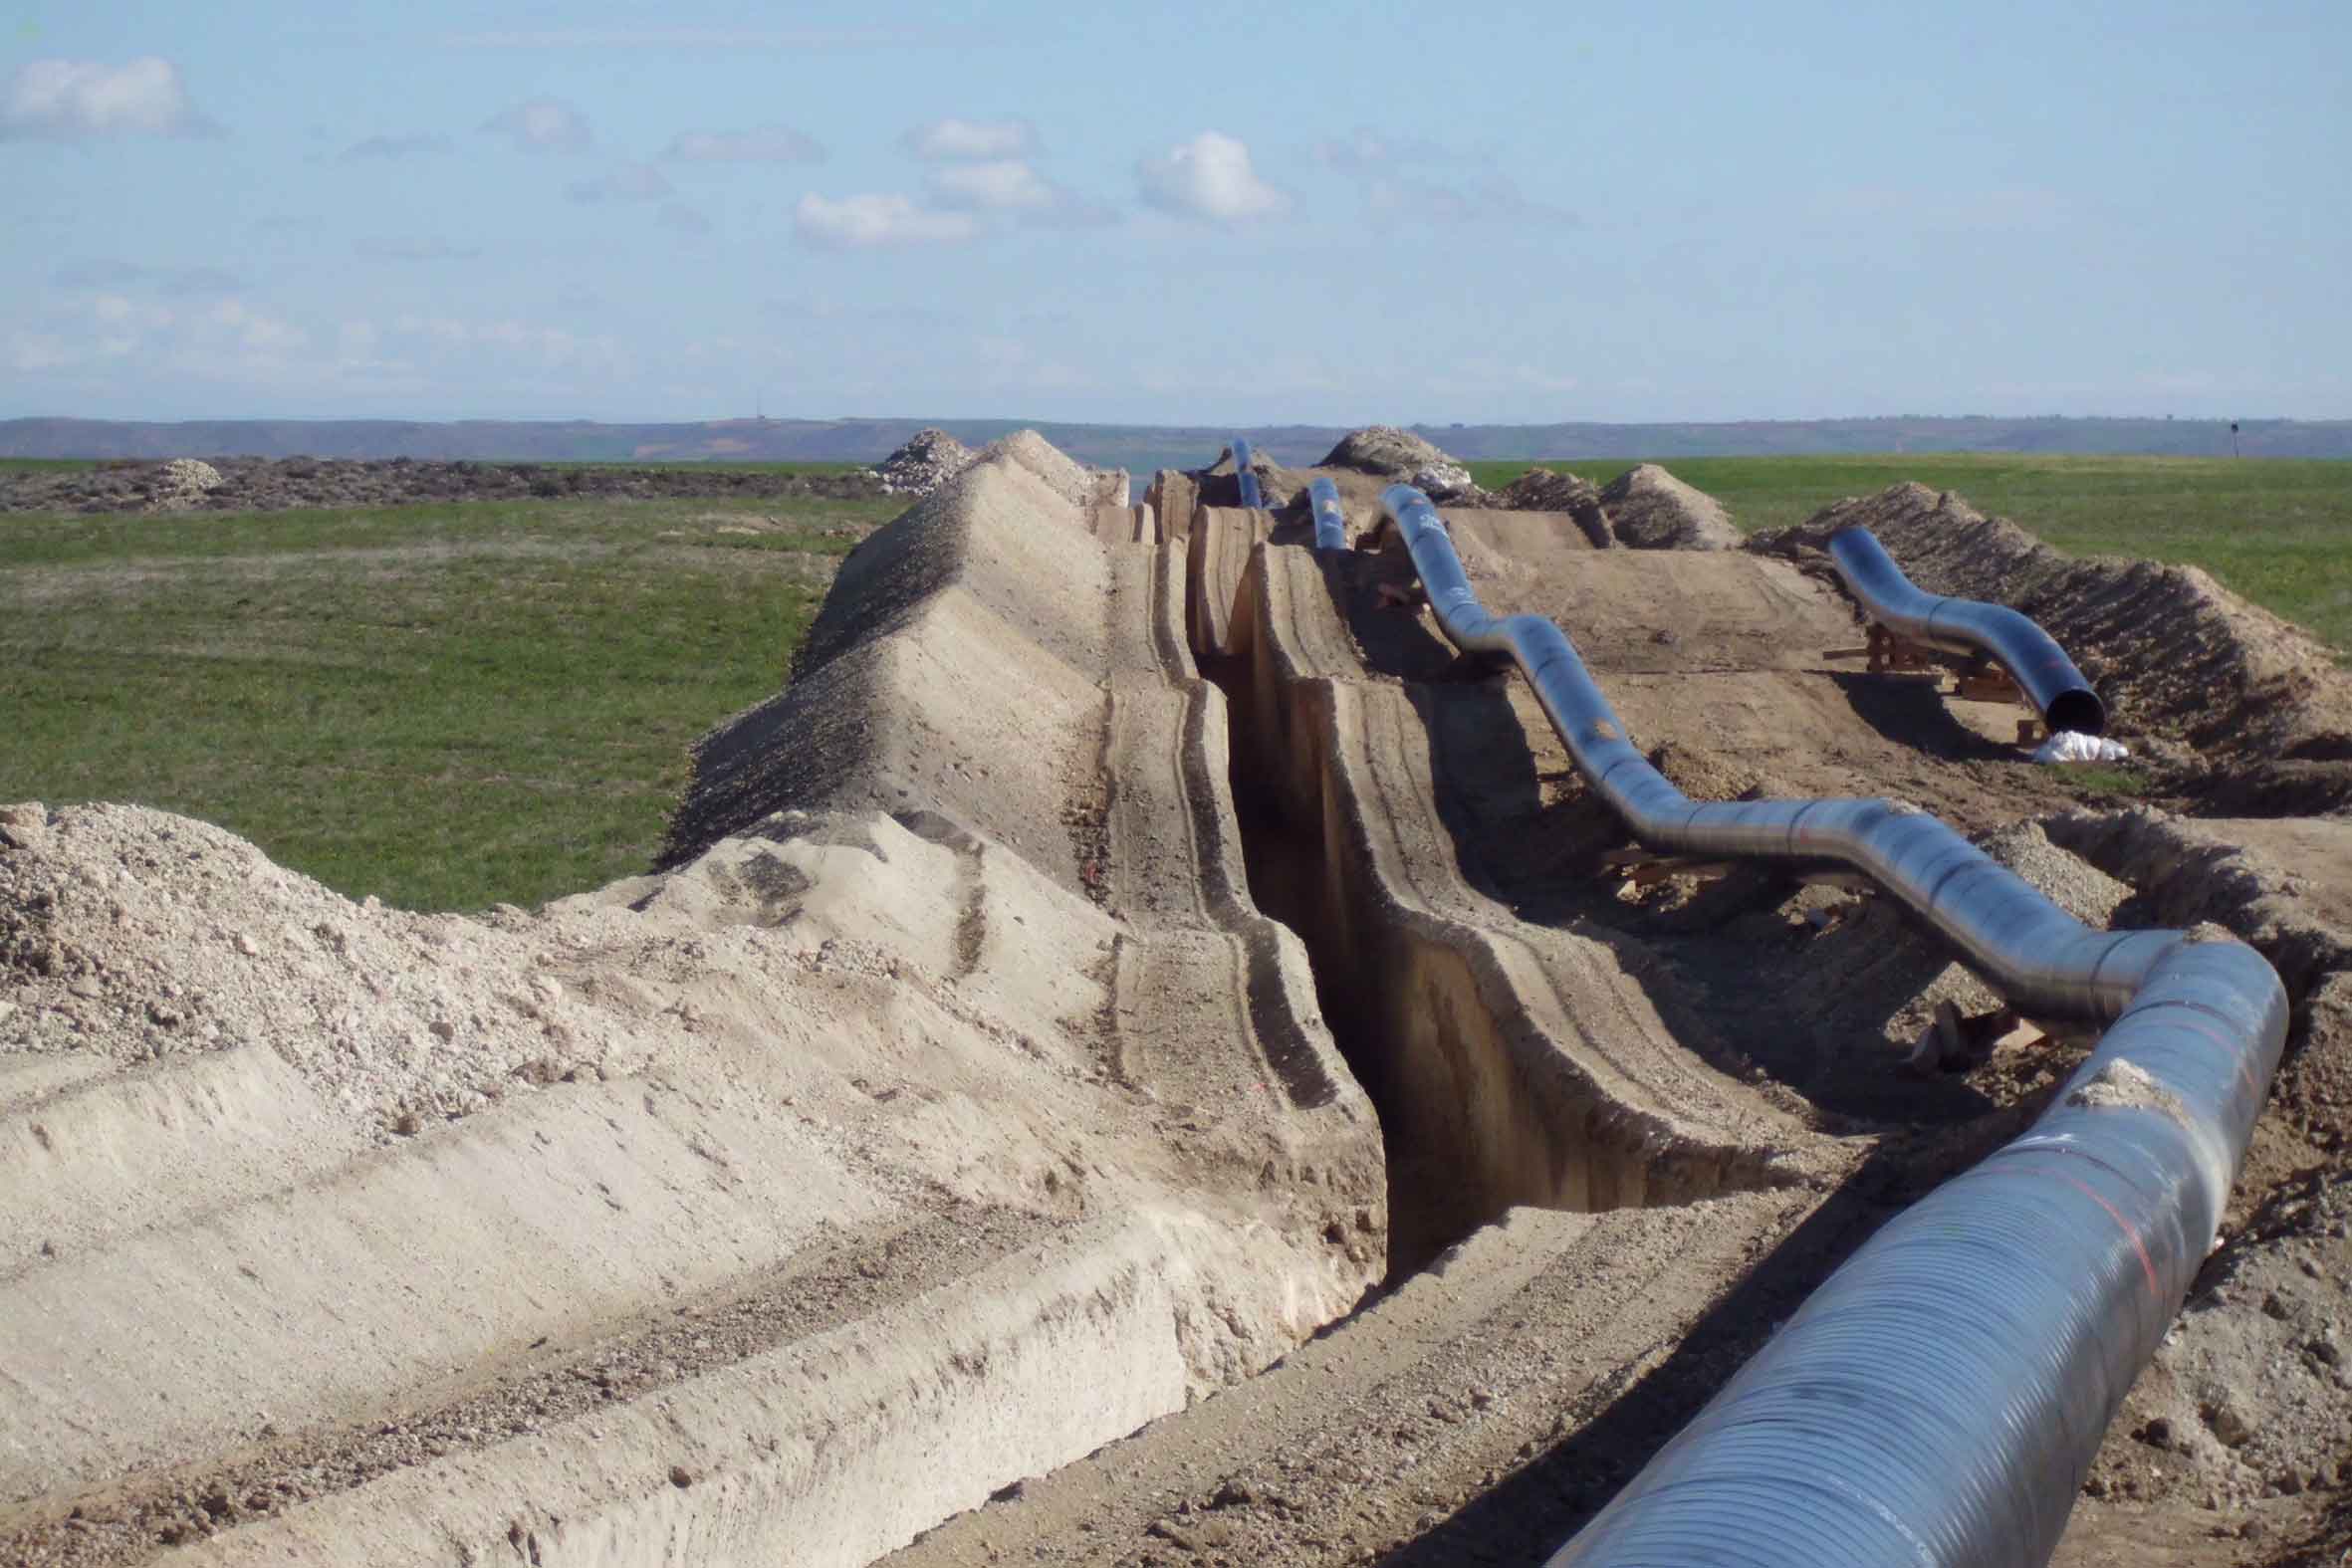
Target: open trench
1492	1079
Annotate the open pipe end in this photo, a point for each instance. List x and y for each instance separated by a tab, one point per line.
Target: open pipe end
2077	709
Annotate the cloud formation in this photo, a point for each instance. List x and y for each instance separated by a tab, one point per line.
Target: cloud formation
1010	185
393	147
872	222
629	183
77	99
944	140
543	124
759	145
1209	177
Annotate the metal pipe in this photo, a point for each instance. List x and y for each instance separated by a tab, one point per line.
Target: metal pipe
1331	521
2057	690
1245	475
1940	1397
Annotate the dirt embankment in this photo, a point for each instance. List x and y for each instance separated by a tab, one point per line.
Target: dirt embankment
2181	660
944	1114
255	484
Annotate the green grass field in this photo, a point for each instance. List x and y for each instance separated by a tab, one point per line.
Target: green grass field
2278	531
455	705
447	706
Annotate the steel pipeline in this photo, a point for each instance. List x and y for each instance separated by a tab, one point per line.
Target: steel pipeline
1940	1397
2039	666
1244	474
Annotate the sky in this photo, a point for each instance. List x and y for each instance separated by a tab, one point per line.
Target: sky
1312	213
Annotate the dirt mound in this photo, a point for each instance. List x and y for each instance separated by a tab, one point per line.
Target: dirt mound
2252	1394
927	461
2173	653
1278	486
1650	509
257	484
1390	453
1543	490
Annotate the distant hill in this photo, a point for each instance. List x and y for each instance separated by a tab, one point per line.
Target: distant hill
1141	447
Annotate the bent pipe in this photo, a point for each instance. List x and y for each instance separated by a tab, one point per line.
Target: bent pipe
1939	1399
1246	476
2040	667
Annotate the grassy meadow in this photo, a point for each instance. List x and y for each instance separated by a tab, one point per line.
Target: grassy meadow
447	706
2278	531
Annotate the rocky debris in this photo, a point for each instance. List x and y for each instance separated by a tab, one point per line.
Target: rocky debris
1544	490
929	459
2176	655
182	483
1384	450
1650	509
260	483
1389	453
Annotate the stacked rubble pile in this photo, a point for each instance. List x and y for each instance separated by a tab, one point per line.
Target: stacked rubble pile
1401	454
1543	490
927	461
1650	509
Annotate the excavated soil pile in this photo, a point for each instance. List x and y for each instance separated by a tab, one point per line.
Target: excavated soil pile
1542	490
256	484
928	460
909	1137
1650	509
2177	657
1399	454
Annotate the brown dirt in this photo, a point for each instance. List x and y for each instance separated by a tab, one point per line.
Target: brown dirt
1650	509
2178	657
254	484
953	1025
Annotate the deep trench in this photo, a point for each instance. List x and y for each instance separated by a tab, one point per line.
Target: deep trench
1445	1174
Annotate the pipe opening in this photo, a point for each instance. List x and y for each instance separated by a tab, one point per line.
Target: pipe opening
2079	710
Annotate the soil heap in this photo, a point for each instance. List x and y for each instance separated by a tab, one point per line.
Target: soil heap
1650	509
1543	490
928	460
1390	453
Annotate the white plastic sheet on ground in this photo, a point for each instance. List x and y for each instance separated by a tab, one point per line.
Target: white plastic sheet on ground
2072	746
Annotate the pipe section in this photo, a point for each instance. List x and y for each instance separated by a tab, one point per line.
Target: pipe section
1245	475
1940	1397
1331	521
2057	690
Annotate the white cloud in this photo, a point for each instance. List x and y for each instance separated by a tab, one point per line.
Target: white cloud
1210	177
1006	185
392	148
867	222
948	139
629	183
759	145
543	124
69	100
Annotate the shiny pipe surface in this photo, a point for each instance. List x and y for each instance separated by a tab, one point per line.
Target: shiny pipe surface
1331	519
1246	476
2057	690
1940	1397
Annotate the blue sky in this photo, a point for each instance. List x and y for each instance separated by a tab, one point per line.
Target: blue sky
1206	213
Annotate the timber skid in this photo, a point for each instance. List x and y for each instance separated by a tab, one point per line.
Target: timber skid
1973	677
